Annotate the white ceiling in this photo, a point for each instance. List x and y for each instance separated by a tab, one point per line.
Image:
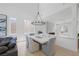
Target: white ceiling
29	10
61	16
26	10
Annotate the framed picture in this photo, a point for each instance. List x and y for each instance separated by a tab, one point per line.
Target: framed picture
3	25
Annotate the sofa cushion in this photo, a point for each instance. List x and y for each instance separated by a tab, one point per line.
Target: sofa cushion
3	49
11	52
4	42
9	38
2	38
12	44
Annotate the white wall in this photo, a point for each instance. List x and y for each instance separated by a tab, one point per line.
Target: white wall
78	19
49	9
19	11
53	13
68	13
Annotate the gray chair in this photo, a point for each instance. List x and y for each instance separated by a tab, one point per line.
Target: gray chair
49	48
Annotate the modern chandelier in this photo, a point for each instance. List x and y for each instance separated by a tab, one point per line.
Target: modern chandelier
38	20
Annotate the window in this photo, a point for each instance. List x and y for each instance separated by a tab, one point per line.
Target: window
13	25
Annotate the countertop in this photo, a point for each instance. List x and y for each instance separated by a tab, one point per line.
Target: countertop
42	38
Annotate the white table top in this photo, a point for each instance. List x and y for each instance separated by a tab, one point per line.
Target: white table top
42	38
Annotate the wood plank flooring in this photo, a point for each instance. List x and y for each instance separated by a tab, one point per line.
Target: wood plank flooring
59	52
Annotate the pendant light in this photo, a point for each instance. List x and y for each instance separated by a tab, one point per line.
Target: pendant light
38	20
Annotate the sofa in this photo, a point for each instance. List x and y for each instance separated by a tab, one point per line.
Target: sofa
8	46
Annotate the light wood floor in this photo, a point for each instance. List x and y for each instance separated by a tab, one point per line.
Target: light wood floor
59	52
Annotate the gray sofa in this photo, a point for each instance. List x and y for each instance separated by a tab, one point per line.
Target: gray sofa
8	46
